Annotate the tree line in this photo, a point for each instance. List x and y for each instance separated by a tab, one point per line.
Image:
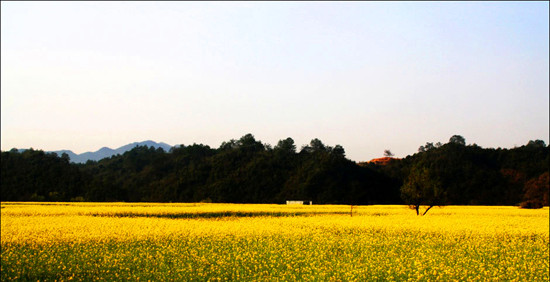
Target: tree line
246	170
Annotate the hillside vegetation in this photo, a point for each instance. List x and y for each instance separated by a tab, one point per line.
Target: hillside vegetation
248	171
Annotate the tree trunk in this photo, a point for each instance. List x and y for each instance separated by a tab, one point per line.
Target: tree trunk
427	210
416	208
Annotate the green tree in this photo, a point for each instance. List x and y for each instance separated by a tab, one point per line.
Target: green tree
249	143
457	139
314	146
65	157
338	150
287	145
422	188
537	143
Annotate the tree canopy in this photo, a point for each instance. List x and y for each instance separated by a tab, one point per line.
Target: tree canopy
423	188
245	170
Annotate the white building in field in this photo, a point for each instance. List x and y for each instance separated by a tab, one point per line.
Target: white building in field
299	202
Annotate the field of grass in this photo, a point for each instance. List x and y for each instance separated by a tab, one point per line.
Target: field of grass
182	242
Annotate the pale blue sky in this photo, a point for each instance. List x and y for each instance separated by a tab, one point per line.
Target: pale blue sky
369	76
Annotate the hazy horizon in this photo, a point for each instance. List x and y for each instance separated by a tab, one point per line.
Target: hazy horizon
298	147
368	76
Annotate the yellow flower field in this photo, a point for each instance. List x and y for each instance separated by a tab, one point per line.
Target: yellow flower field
147	241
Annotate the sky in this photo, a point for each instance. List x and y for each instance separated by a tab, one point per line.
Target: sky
369	76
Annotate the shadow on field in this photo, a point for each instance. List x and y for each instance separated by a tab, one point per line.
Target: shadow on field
225	214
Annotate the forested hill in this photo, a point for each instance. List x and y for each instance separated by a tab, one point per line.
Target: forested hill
248	171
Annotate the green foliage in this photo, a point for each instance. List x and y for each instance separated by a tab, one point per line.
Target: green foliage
245	170
422	187
36	176
286	146
457	139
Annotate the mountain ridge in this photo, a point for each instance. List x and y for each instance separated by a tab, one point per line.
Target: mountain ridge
106	152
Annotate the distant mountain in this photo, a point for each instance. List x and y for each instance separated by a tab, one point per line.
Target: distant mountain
106	152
